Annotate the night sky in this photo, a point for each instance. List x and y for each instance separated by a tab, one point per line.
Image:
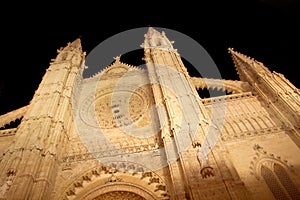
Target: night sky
263	29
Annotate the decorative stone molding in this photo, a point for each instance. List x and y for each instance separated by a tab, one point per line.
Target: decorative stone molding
116	69
263	157
108	153
247	134
8	132
227	98
112	191
117	175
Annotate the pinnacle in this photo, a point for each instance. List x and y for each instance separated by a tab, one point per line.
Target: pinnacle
238	60
152	31
243	62
230	50
239	55
154	38
76	43
117	59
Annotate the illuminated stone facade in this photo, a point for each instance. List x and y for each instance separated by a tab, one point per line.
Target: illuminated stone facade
135	133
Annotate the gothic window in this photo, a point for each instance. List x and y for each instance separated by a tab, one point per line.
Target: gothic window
286	182
273	183
279	182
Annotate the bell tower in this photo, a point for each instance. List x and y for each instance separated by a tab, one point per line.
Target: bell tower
169	78
185	124
33	157
179	111
179	115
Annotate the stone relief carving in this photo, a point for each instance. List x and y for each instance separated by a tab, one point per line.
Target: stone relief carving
113	172
262	156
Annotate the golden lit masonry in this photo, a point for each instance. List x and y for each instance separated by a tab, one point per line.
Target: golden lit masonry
145	133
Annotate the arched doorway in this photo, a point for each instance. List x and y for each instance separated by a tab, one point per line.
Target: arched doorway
119	195
118	190
105	182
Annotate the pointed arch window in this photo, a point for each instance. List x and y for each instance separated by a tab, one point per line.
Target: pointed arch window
279	182
273	183
286	181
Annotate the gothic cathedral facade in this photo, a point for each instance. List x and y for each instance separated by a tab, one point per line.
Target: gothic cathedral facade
145	133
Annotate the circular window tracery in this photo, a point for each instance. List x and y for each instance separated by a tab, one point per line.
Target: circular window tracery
120	108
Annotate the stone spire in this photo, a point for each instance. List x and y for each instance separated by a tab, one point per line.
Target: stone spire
173	91
277	91
67	52
76	44
152	32
153	39
40	136
246	65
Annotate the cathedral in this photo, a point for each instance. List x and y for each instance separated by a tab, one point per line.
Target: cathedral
145	133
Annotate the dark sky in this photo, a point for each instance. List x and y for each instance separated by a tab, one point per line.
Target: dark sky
263	29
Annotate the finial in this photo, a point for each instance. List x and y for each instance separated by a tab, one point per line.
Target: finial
117	59
230	49
75	44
